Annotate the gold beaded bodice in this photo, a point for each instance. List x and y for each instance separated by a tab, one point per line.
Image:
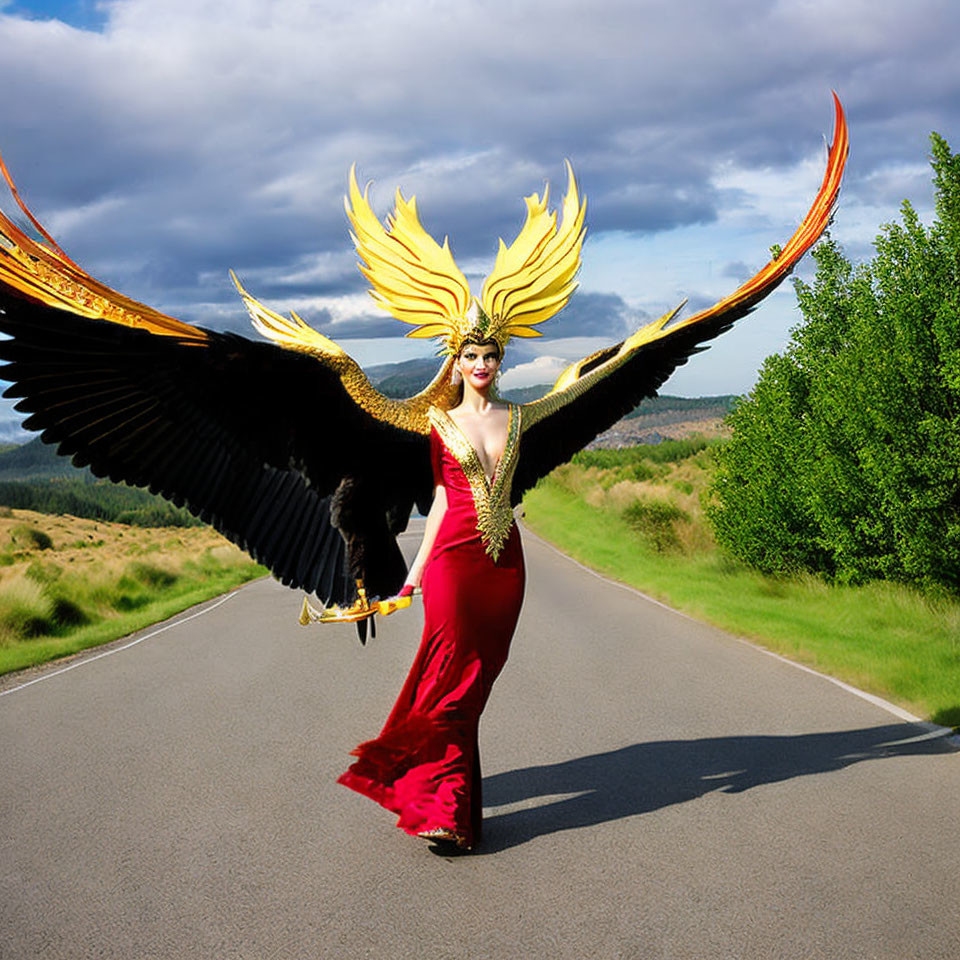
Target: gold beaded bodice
491	498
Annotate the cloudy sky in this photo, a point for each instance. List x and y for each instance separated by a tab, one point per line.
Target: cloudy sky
165	141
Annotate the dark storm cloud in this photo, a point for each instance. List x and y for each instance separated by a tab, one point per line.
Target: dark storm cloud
178	142
596	315
362	327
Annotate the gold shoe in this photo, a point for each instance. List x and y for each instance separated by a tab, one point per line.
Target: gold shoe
443	835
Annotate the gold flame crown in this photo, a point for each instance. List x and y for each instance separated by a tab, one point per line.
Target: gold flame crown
417	280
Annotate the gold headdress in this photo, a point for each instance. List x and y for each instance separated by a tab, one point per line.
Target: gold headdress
418	281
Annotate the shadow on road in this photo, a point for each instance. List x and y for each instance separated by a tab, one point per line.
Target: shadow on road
648	776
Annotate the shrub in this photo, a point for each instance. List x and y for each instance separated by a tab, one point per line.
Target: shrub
67	613
29	538
637	472
124	602
655	521
42	573
673	451
25	610
151	575
844	459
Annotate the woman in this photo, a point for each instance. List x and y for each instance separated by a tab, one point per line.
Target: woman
229	428
425	765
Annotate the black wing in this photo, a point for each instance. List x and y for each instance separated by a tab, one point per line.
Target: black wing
263	443
594	393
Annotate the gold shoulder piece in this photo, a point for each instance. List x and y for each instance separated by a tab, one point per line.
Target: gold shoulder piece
41	272
295	334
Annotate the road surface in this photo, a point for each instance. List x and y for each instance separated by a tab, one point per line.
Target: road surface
653	789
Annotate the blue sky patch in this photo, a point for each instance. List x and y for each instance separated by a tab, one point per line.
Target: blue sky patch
82	14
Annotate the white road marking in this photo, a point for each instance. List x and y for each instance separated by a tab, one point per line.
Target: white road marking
934	728
126	646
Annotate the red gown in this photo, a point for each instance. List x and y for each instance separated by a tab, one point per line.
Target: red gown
425	765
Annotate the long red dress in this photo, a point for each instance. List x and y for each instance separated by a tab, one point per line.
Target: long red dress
425	765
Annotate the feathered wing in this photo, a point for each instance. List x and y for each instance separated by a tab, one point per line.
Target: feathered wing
534	277
411	276
592	394
290	453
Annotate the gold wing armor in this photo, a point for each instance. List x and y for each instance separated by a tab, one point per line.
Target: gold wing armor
238	431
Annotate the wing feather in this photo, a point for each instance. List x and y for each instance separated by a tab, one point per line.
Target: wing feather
254	439
231	429
592	394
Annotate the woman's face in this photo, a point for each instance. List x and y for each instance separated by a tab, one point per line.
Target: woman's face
478	363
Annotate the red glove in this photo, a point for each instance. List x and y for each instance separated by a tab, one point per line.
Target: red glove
406	590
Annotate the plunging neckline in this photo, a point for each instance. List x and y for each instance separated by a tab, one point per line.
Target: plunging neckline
491	495
492	479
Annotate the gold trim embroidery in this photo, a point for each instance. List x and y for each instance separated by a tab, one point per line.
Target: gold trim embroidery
292	333
491	501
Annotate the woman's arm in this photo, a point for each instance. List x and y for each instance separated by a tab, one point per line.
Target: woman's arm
437	510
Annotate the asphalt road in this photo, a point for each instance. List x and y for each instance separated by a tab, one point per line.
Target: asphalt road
653	788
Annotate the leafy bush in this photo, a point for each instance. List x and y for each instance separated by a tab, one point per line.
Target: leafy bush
845	458
655	521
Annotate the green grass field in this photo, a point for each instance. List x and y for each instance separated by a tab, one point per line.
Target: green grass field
68	583
883	638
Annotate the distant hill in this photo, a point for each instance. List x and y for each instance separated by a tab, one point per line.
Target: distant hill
36	460
404	379
684	408
422	366
34	477
408	377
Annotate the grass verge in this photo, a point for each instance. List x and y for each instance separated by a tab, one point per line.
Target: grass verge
67	584
881	637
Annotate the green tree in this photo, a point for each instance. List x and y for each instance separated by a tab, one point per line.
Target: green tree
845	458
